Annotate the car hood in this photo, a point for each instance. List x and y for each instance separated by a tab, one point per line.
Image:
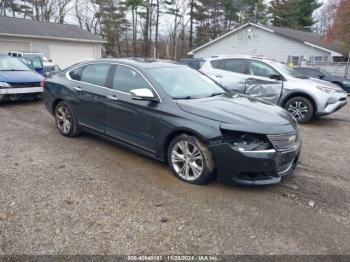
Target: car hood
19	77
241	113
337	78
318	82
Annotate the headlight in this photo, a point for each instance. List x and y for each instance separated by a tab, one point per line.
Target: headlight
246	141
325	89
4	84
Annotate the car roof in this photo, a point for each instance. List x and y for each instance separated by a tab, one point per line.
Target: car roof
252	57
303	67
143	63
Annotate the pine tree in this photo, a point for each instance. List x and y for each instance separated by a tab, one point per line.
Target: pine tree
297	14
113	23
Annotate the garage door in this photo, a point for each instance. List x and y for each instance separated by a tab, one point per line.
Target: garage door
6	46
67	54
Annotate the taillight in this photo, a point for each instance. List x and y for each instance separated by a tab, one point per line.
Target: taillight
43	84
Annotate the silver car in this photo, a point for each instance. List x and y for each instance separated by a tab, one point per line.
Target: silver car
276	83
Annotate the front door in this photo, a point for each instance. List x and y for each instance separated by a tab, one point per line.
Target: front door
264	82
132	121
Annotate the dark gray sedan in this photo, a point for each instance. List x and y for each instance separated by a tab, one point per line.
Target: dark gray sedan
177	115
326	76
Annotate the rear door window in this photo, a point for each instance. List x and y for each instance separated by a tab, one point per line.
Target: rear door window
235	65
95	74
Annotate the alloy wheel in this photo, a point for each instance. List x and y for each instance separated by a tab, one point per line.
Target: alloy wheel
187	160
298	109
63	119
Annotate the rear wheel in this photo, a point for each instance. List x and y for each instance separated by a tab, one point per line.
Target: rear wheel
190	160
301	108
65	121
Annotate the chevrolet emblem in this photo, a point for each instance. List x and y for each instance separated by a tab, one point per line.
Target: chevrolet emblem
292	139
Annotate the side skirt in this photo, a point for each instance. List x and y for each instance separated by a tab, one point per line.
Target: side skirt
122	144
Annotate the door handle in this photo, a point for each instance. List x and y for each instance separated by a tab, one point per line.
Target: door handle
218	76
112	97
77	89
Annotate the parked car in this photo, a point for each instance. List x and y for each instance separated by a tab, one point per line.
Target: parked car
326	76
276	83
42	64
17	81
34	64
148	106
195	63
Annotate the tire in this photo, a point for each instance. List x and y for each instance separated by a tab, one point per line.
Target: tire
65	120
195	167
301	108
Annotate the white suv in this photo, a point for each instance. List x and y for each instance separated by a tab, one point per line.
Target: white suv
276	83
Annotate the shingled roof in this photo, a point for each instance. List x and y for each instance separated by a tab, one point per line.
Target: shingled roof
20	27
308	38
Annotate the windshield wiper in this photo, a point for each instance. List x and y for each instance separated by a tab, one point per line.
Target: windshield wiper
12	70
186	97
217	94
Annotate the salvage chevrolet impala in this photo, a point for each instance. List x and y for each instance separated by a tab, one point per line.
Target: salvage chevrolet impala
177	115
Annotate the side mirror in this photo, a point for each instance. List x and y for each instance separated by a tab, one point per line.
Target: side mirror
142	94
321	76
276	77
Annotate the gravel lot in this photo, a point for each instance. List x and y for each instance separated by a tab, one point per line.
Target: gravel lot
86	196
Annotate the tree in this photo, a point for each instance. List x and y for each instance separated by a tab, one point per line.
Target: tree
252	11
113	24
324	17
10	7
63	9
87	15
340	29
134	5
297	14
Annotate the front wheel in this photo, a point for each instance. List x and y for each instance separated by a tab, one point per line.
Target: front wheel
301	108
190	160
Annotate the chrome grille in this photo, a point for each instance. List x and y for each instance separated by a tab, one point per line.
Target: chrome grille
50	68
284	142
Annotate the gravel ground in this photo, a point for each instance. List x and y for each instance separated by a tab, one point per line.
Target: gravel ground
85	196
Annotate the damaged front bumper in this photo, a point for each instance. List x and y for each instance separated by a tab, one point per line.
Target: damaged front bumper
264	167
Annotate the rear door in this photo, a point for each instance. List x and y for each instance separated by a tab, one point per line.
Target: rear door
264	82
230	73
90	89
133	121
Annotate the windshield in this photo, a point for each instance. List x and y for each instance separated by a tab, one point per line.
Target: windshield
27	62
326	73
32	56
287	70
8	63
185	83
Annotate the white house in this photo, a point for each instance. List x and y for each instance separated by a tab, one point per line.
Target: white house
282	44
64	44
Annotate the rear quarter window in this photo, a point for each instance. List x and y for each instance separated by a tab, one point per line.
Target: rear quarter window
76	73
